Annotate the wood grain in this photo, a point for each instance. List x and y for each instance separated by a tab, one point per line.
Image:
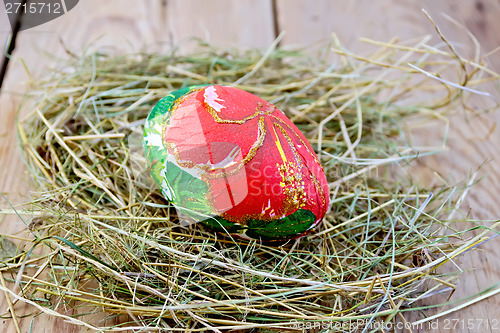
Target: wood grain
224	23
116	26
306	24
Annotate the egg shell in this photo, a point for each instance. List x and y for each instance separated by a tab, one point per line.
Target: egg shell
234	162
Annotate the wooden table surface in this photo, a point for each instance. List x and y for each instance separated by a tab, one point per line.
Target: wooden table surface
131	25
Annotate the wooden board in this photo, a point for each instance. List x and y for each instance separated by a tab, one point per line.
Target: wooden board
473	139
130	25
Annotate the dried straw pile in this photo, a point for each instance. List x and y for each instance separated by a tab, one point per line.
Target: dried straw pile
102	237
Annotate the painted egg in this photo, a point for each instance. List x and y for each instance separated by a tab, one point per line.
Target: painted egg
234	162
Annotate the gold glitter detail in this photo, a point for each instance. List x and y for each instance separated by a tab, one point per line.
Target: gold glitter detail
292	146
257	144
291	178
293	187
258	111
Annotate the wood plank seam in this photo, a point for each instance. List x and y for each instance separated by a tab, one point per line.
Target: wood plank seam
275	23
11	44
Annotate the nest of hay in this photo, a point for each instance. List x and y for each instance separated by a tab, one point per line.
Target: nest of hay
102	238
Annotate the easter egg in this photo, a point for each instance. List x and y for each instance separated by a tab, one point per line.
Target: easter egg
234	162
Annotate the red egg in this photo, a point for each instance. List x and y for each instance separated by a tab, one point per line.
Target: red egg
236	162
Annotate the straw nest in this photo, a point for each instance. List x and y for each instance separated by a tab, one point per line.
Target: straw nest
102	238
